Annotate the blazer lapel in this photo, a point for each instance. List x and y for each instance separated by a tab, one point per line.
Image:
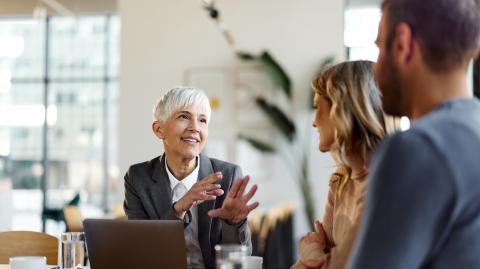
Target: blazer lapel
204	221
160	192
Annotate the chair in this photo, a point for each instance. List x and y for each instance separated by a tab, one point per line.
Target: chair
56	214
118	212
73	218
26	243
272	236
121	218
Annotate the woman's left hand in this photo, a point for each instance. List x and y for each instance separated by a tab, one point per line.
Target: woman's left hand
234	208
312	247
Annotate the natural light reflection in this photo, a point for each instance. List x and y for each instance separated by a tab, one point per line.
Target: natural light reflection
11	47
5	80
51	115
470	78
404	123
361	27
364	53
4	147
27	115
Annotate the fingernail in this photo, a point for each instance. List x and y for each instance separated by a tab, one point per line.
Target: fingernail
221	192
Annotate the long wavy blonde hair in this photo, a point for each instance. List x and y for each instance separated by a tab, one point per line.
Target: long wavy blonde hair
356	110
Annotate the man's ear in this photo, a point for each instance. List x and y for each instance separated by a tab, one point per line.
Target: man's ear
157	129
405	46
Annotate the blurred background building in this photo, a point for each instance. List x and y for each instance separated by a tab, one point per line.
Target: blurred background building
65	59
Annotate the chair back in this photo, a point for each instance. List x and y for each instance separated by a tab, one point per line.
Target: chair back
27	243
73	218
118	212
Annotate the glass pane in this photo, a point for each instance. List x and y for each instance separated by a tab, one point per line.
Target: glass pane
21	120
113	120
77	47
75	142
361	27
114	184
114	49
75	115
363	53
22	52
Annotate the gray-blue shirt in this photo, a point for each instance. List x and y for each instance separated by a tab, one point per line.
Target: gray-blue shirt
423	196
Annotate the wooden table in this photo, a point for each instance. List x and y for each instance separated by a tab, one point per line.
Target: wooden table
6	266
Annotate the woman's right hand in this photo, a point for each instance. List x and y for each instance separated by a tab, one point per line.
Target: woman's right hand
205	189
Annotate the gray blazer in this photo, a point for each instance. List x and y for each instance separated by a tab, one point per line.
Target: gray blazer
148	196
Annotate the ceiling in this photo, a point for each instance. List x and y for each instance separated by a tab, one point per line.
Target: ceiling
26	7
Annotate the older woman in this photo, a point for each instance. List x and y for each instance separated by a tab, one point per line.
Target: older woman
350	123
208	195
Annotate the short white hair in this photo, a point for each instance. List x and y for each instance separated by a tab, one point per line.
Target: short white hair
178	98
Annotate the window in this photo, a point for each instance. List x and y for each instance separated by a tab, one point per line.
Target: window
74	61
361	28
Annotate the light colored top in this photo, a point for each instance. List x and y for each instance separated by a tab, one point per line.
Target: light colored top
194	253
342	218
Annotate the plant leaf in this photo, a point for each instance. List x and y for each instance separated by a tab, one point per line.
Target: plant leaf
246	56
278	118
259	145
325	63
307	194
278	75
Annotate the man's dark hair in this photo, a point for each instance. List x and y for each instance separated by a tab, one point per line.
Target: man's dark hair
448	30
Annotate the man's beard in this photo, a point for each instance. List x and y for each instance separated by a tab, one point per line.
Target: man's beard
390	85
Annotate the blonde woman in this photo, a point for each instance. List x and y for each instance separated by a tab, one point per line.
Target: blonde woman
350	123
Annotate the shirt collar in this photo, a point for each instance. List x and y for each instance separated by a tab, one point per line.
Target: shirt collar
187	181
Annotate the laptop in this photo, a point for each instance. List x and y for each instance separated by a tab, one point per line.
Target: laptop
131	244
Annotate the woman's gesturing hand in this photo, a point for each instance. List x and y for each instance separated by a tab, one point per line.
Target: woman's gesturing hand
234	208
205	189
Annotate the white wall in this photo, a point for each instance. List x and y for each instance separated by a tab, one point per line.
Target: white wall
161	39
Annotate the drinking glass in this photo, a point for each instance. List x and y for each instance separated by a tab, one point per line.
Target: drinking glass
254	262
231	256
72	254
